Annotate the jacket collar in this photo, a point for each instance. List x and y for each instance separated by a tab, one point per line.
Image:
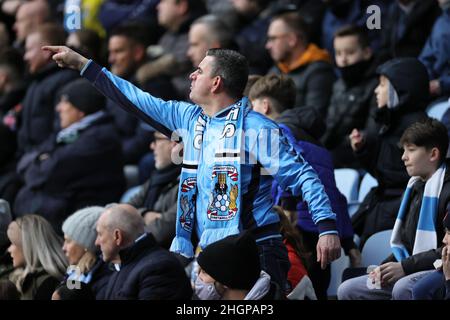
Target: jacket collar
127	255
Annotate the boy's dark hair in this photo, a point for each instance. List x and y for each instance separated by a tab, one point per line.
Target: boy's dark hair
52	34
352	30
429	133
232	67
279	88
296	24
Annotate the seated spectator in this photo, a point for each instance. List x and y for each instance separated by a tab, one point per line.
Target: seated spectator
353	99
435	285
79	166
436	54
417	230
406	28
170	55
36	248
80	249
5	259
12	86
37	119
296	251
253	19
157	199
271	96
308	65
230	270
143	271
402	95
208	32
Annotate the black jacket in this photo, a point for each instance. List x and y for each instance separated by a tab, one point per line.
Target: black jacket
381	154
350	107
148	272
62	178
38	113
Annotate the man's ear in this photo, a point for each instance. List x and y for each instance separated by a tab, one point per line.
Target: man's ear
118	237
217	84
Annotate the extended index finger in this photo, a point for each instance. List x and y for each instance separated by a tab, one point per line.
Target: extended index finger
54	49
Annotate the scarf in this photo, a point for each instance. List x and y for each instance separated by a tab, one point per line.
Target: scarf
426	237
160	179
71	133
224	204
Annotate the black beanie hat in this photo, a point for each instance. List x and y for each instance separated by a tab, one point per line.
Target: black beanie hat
232	261
83	96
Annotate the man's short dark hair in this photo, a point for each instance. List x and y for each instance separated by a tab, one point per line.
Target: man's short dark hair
352	30
136	32
429	133
232	67
279	88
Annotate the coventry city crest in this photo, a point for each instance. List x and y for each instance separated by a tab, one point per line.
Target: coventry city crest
223	197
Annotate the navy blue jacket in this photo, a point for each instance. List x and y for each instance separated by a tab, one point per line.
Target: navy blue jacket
320	159
148	272
62	178
38	113
436	53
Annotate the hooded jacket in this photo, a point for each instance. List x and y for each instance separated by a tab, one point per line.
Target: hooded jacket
381	155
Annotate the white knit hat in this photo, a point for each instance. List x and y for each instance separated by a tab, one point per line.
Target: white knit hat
80	227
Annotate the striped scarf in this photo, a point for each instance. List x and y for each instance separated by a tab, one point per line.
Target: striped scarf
426	237
224	205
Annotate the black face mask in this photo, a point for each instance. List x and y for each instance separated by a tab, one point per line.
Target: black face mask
354	73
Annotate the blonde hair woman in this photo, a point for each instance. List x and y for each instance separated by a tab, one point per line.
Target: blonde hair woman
36	248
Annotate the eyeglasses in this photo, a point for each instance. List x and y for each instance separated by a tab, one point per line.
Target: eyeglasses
275	37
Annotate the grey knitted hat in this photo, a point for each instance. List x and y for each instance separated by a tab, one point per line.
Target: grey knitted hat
5	220
80	227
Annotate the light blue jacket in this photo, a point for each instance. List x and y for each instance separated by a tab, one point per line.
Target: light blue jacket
293	173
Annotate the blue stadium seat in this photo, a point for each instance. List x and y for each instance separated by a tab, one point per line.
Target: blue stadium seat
129	194
437	110
347	181
337	267
377	248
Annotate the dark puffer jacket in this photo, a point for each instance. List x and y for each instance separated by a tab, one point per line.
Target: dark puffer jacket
381	155
64	177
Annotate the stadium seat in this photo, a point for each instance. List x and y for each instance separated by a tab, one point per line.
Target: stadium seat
129	194
347	181
377	248
337	267
437	110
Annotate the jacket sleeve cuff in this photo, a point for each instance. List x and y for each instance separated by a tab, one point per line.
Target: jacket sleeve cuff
347	244
327	226
91	71
408	266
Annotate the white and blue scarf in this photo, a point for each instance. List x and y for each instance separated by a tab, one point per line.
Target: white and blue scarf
71	133
225	198
426	237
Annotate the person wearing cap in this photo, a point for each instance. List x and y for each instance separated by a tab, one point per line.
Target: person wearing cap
81	251
402	96
229	269
78	166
